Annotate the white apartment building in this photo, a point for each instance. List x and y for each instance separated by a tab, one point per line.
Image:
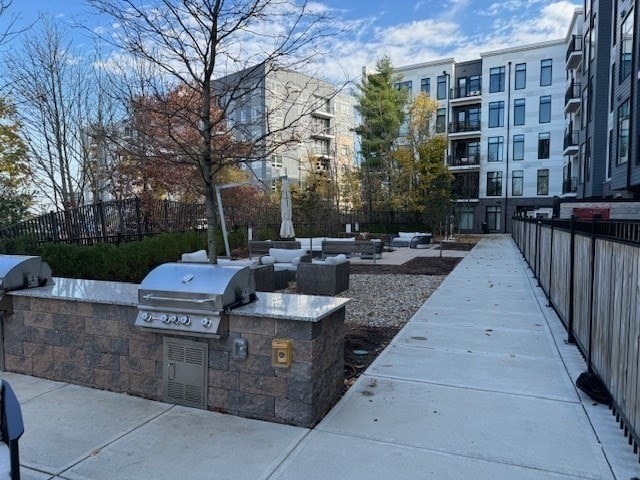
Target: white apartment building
503	115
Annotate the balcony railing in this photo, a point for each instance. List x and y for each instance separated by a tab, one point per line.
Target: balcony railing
574	52
573	92
571	139
461	161
467	91
461	127
570	185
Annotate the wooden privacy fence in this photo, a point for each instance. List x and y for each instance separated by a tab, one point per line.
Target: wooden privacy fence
590	272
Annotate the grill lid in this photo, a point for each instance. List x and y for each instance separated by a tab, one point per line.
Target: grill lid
201	285
23	271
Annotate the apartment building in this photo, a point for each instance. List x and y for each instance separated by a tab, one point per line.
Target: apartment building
602	66
303	124
503	115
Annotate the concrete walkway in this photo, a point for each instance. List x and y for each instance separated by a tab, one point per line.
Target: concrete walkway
478	385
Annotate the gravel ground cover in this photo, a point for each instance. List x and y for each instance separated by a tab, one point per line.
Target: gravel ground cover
383	299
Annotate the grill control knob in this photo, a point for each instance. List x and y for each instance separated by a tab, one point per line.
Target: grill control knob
206	322
186	321
164	319
173	319
146	316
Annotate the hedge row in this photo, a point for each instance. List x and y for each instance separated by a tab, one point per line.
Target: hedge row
126	262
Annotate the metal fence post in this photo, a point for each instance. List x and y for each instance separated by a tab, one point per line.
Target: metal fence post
570	337
549	303
591	292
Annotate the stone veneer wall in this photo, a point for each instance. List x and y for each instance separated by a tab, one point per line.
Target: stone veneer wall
96	345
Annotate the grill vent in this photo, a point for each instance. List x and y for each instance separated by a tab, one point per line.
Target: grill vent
184	375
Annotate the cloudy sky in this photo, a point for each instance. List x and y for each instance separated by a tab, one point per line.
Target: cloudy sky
408	31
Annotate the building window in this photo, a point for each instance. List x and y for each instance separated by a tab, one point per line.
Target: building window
520	80
518	147
494	184
518	111
496	79
545	72
545	109
626	47
517	181
474	85
623	133
543	181
408	85
425	86
276	161
465	218
442	87
440	120
495	149
544	144
494	214
496	114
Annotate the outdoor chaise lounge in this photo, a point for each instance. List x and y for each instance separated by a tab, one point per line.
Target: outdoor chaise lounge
411	240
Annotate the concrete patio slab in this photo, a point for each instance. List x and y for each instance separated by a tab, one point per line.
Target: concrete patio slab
506	372
481	318
531	432
364	458
69	424
28	388
187	443
526	343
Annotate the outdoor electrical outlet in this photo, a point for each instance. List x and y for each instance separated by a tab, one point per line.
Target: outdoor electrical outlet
281	353
240	349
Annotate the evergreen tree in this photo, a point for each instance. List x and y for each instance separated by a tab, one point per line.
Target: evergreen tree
382	111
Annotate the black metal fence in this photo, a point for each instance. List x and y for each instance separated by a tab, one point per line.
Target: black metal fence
131	219
589	271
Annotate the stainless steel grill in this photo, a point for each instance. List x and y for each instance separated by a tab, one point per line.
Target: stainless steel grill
18	272
191	298
22	271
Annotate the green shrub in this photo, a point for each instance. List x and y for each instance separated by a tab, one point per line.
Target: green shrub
127	262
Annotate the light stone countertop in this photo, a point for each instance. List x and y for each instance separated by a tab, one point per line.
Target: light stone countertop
73	289
307	308
304	308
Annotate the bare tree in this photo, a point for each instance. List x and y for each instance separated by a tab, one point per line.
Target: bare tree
227	53
56	92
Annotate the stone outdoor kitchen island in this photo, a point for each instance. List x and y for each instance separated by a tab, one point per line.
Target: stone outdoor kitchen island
280	359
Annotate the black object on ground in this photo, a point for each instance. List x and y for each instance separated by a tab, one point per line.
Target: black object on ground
590	384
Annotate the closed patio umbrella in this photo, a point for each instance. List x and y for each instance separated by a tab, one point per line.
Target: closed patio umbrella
286	212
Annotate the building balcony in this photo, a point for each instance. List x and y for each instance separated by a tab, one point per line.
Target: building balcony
572	98
322	153
571	142
570	185
466	163
464	129
465	95
574	52
322	133
324	113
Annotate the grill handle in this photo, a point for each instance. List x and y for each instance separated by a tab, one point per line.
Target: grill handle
151	296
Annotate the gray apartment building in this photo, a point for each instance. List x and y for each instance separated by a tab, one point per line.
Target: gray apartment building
602	159
303	124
